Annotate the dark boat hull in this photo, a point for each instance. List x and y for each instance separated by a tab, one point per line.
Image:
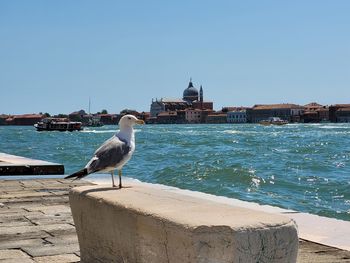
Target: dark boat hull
56	129
58	126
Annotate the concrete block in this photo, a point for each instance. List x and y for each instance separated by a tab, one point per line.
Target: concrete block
142	223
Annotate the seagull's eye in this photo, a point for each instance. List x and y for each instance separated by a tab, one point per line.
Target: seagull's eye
129	118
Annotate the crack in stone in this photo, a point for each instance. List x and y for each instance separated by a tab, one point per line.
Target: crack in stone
31	221
166	242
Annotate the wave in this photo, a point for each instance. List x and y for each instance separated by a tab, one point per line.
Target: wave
333	127
238	132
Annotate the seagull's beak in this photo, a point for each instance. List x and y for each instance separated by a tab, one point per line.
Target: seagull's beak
140	122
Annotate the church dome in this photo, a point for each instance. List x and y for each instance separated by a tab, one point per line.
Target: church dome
191	93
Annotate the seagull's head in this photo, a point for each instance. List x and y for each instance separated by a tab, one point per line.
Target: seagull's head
128	121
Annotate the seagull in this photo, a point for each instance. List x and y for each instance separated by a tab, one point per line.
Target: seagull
114	153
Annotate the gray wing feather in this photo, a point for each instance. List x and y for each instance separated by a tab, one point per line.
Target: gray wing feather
110	154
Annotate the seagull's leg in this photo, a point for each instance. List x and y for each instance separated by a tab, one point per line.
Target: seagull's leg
120	178
112	174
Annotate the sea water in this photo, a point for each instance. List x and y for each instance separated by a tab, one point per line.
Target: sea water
303	167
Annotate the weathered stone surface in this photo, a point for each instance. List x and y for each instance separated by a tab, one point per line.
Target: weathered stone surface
10	233
59	218
53	209
18	243
47	200
10	183
12	218
66	258
308	252
18	223
23	236
58	229
18	230
63	239
49	250
317	253
36	216
12	253
16	260
144	224
24	194
5	211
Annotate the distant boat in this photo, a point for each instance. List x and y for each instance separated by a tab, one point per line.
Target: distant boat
92	121
273	121
58	124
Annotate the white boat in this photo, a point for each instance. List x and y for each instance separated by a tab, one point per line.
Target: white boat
273	121
58	124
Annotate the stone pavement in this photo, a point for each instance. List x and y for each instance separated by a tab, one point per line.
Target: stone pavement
35	221
36	225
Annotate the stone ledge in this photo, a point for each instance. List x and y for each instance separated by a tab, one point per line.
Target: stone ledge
18	165
146	224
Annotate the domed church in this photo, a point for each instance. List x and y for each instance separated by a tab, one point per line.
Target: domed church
191	93
192	99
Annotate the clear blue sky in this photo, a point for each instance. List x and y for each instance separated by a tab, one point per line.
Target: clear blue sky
54	55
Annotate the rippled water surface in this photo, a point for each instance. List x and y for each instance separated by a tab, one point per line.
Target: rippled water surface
297	166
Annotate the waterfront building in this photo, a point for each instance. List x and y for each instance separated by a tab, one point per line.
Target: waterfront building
310	117
339	113
314	113
288	112
218	117
190	109
24	119
109	119
343	115
237	116
203	105
140	115
3	118
169	117
102	118
197	115
234	108
167	104
323	114
145	115
194	116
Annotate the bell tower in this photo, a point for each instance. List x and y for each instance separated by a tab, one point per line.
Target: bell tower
201	94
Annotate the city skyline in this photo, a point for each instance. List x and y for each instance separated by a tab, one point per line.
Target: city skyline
104	109
55	55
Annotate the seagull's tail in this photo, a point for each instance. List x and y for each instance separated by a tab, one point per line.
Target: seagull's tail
78	175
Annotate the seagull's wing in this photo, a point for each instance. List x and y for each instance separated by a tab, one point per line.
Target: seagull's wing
109	155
